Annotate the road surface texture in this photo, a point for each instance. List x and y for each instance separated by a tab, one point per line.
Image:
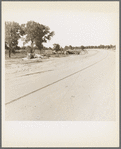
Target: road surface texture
74	88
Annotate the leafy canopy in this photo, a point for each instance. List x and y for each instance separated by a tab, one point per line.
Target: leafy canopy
12	34
36	33
56	47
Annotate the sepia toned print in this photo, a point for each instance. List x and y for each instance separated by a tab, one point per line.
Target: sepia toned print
60	61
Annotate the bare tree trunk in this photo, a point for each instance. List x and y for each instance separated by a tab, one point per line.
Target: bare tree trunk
61	51
32	46
32	50
9	53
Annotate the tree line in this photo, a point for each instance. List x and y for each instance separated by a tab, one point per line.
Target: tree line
57	47
89	47
37	34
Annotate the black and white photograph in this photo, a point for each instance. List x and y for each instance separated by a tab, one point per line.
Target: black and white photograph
60	66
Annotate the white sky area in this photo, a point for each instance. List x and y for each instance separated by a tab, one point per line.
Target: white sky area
74	23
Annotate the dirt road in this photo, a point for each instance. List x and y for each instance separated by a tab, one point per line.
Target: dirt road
74	88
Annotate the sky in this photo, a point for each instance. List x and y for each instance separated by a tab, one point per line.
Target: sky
74	23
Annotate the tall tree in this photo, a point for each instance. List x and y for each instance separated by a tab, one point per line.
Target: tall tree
66	48
70	47
36	33
12	34
56	47
82	47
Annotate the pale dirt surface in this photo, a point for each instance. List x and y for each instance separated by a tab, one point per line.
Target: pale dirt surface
88	95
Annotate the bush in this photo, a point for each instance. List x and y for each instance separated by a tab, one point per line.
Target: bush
23	47
18	48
